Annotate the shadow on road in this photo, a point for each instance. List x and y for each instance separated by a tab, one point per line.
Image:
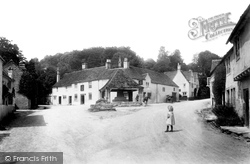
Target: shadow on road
3	135
179	130
23	118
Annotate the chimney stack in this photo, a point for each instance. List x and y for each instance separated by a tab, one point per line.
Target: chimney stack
178	66
119	63
108	64
57	74
22	65
84	65
126	63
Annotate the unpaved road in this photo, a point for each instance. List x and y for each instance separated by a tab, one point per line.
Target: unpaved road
130	135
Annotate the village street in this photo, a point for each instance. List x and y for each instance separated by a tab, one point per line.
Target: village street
129	135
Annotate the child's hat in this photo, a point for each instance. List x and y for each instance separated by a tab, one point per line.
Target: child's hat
170	108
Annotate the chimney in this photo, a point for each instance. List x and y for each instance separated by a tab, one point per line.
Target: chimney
22	65
57	74
126	63
108	64
119	63
84	65
178	66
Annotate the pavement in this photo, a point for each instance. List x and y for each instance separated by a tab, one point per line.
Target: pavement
239	131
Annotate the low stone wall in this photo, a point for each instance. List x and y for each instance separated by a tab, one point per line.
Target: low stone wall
5	111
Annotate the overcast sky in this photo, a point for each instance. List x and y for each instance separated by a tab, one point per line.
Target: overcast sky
48	27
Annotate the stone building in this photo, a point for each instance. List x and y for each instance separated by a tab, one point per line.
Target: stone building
15	72
6	92
238	67
114	84
187	81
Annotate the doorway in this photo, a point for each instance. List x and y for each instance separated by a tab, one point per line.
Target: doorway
246	106
82	99
174	97
60	100
70	100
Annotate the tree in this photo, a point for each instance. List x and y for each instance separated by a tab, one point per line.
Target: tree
175	58
9	51
28	85
219	83
204	61
149	63
163	61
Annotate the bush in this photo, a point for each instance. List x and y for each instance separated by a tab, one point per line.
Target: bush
227	116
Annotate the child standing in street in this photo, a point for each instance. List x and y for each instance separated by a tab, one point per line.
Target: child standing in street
170	118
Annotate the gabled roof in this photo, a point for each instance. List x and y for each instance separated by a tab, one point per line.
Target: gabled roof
121	80
156	77
240	24
215	62
171	74
186	74
101	73
11	62
85	75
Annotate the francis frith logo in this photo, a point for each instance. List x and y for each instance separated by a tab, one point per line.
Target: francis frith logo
210	28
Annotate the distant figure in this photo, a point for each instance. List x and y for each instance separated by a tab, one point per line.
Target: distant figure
137	98
170	118
145	100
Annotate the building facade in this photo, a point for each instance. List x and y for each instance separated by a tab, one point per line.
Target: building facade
6	92
113	84
210	80
238	67
187	81
15	72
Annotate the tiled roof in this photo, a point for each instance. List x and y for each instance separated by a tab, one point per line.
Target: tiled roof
85	75
171	74
186	74
214	64
101	73
156	77
121	80
240	24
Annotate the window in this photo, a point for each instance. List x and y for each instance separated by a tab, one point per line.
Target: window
174	89
184	85
237	48
163	89
90	84
90	96
82	87
184	93
179	90
140	82
147	84
228	67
